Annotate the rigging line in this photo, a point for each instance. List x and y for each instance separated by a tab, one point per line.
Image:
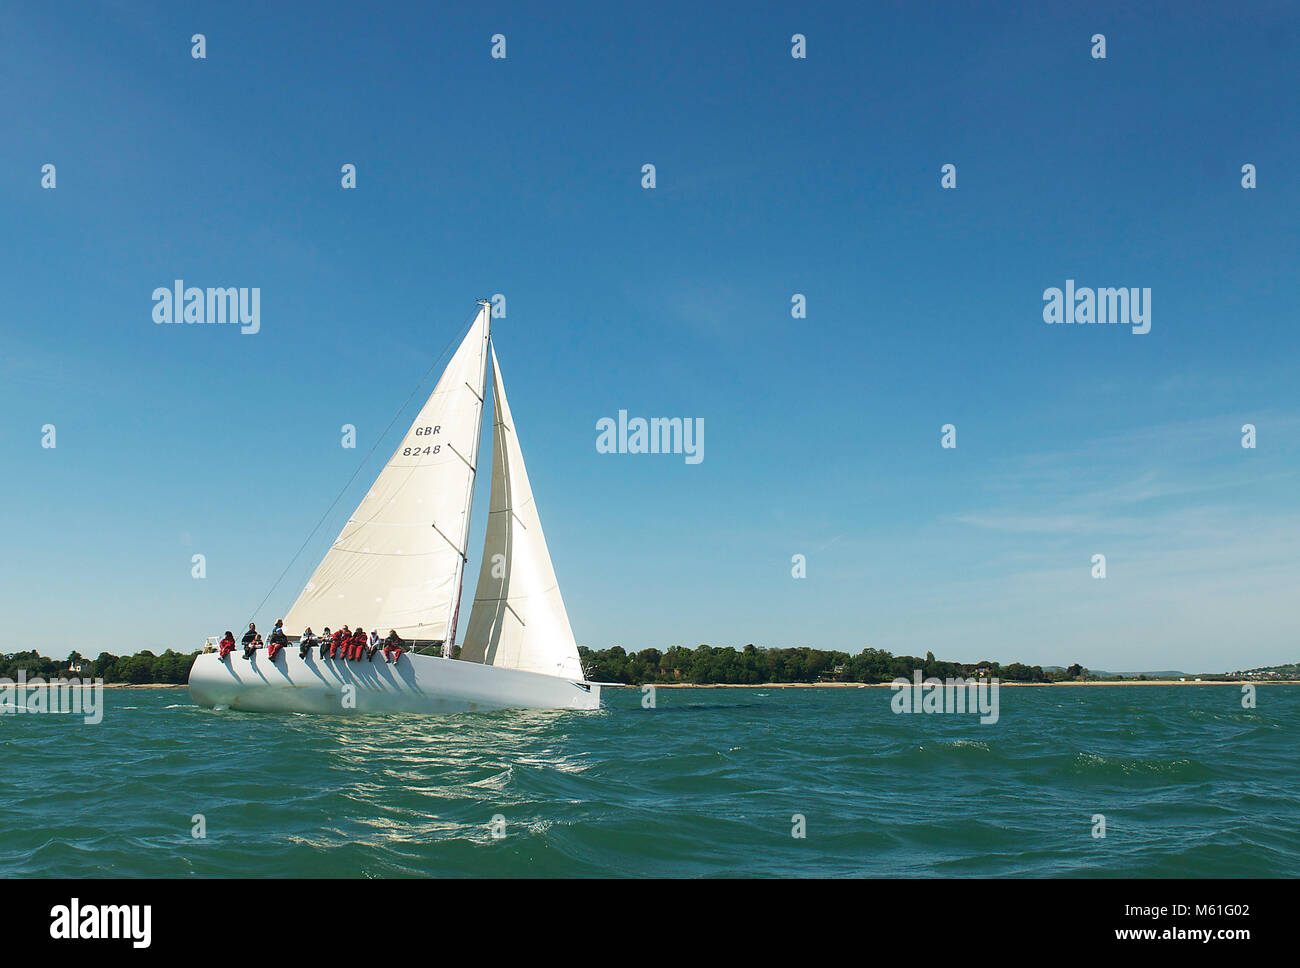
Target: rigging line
365	460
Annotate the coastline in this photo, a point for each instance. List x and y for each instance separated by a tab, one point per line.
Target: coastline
848	685
1005	685
146	685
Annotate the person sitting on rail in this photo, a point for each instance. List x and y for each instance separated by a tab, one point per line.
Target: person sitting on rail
358	644
392	647
278	639
338	643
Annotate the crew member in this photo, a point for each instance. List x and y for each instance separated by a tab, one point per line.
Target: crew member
392	647
278	639
338	645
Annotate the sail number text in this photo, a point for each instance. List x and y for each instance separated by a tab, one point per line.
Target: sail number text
421	448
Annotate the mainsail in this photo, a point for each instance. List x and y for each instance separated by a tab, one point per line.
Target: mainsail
397	563
518	620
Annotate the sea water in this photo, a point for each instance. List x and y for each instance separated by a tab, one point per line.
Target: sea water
710	782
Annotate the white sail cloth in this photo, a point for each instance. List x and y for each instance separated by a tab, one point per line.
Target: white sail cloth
397	563
518	620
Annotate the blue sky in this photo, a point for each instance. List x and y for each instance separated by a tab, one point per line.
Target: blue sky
775	176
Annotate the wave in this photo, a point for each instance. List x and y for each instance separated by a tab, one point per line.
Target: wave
697	787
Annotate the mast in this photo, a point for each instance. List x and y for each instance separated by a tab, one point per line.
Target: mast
449	639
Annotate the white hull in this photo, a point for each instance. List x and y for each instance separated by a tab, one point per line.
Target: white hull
416	684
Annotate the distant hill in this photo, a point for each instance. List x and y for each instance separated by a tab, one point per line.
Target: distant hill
1289	669
1102	673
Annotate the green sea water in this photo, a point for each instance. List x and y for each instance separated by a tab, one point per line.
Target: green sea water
1190	783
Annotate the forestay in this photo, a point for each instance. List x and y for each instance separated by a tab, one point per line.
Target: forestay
397	563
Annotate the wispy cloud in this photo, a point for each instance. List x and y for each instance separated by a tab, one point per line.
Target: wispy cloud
1200	542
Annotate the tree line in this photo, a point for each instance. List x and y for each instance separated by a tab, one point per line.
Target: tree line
170	668
753	665
703	665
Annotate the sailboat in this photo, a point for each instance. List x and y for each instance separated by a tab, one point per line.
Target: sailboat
398	564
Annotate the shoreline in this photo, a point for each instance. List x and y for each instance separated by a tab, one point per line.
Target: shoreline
851	685
1007	685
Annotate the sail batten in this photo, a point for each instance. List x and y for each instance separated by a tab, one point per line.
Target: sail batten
393	565
518	620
